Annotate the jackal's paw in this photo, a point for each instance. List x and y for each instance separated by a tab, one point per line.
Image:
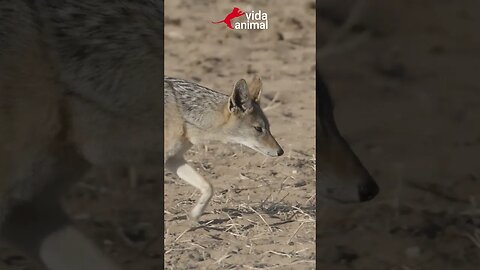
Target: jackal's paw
195	216
194	224
194	221
197	211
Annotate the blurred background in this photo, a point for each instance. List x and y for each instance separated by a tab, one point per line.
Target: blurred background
404	77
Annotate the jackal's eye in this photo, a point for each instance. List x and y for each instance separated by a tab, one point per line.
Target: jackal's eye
258	129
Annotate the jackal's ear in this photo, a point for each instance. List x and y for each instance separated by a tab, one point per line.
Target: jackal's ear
240	100
255	88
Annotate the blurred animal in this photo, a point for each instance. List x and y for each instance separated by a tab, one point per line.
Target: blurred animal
80	85
340	174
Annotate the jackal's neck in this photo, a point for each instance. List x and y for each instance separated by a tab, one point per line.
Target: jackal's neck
201	136
208	116
208	127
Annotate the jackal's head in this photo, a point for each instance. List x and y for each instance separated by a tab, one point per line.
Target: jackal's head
340	174
246	123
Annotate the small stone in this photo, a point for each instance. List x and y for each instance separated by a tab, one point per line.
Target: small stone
176	35
300	183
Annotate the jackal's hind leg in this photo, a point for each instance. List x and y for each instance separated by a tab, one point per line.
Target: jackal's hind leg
187	173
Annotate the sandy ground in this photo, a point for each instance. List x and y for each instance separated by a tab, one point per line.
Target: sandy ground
262	214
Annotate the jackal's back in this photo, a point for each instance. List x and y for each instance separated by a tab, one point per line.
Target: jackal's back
195	103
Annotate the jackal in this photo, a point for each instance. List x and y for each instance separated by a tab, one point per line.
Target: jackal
197	115
80	85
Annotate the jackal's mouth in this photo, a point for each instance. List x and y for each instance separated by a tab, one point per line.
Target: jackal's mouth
266	153
333	199
258	150
349	198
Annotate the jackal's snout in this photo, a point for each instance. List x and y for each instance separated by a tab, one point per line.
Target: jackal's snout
270	146
341	175
270	152
368	190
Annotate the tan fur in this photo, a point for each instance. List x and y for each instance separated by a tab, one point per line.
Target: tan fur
255	88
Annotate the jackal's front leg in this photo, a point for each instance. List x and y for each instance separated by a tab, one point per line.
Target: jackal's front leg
191	176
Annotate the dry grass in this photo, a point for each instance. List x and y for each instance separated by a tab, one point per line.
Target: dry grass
259	217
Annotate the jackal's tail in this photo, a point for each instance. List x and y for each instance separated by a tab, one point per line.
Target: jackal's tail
218	22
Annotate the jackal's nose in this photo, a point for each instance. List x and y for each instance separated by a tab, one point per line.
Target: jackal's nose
368	191
280	152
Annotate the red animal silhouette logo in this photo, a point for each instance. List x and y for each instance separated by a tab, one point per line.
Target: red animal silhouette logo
236	12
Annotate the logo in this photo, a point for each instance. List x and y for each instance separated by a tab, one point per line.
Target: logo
236	12
255	20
